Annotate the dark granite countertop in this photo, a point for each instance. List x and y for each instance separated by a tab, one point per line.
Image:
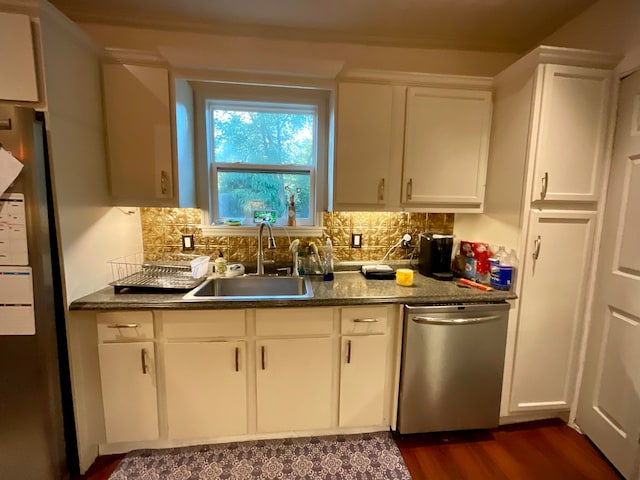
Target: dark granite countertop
348	288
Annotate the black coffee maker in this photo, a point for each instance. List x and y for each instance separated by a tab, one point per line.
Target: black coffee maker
435	255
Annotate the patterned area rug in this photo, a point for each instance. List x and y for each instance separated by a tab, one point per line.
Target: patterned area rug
336	457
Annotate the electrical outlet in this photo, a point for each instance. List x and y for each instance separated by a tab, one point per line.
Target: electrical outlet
188	243
406	241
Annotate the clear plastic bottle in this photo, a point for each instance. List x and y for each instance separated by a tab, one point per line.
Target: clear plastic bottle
501	270
327	271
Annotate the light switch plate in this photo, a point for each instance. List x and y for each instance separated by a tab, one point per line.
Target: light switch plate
188	243
356	240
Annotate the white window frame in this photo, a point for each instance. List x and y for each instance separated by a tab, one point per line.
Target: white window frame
207	95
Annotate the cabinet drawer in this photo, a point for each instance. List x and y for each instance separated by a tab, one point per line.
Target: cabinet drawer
363	320
294	321
205	323
123	326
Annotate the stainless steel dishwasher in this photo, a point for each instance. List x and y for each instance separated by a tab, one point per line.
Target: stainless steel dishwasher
452	364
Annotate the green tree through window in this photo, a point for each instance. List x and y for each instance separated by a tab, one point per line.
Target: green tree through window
257	150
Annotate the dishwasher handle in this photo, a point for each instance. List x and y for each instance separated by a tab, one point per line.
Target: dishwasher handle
455	321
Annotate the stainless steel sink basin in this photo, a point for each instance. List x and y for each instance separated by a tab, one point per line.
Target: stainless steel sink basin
251	287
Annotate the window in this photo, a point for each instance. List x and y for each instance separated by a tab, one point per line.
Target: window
265	147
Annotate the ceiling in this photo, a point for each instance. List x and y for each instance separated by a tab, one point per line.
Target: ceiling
497	25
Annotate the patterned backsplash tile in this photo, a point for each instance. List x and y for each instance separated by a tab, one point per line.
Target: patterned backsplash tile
162	230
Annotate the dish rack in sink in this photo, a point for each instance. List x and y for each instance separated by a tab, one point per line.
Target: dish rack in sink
132	272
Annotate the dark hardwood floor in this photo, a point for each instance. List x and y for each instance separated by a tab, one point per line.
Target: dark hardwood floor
545	450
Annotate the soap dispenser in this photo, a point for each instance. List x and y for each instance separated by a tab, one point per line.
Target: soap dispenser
220	264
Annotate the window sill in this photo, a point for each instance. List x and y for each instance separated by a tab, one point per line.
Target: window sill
248	231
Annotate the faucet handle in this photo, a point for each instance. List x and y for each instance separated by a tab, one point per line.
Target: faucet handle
286	270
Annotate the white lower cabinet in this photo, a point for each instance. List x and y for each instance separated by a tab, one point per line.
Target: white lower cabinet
235	372
128	377
551	317
362	380
294	380
206	389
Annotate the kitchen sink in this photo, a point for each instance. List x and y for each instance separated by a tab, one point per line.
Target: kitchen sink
252	287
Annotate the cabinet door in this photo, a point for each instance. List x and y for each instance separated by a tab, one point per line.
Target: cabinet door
128	377
206	387
136	103
551	310
362	380
446	146
18	80
363	144
570	143
294	384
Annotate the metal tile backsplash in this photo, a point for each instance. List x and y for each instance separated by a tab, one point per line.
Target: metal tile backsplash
162	230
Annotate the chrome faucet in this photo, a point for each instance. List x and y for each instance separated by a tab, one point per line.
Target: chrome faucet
271	245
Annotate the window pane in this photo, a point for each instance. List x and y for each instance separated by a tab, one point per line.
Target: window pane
273	138
242	192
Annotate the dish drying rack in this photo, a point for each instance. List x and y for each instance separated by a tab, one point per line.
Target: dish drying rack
131	271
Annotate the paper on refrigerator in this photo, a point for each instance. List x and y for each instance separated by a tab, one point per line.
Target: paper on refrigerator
10	168
17	315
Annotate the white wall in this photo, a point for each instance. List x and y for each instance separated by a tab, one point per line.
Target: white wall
321	59
90	230
608	25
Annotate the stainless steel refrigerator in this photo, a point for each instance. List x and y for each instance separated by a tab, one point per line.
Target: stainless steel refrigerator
37	435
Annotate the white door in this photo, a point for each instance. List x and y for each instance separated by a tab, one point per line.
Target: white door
128	377
362	380
206	386
571	133
551	314
446	146
363	144
609	406
294	380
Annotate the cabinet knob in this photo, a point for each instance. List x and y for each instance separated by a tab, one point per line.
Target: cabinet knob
348	351
409	188
262	354
143	360
237	359
164	182
545	183
381	190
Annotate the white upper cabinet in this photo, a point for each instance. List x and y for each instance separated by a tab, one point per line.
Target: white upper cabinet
446	147
18	81
143	166
411	141
363	145
568	149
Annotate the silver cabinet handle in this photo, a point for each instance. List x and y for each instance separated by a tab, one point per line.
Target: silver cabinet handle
381	190
545	183
454	321
237	355
143	360
536	247
164	180
409	188
262	349
365	320
348	351
123	325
